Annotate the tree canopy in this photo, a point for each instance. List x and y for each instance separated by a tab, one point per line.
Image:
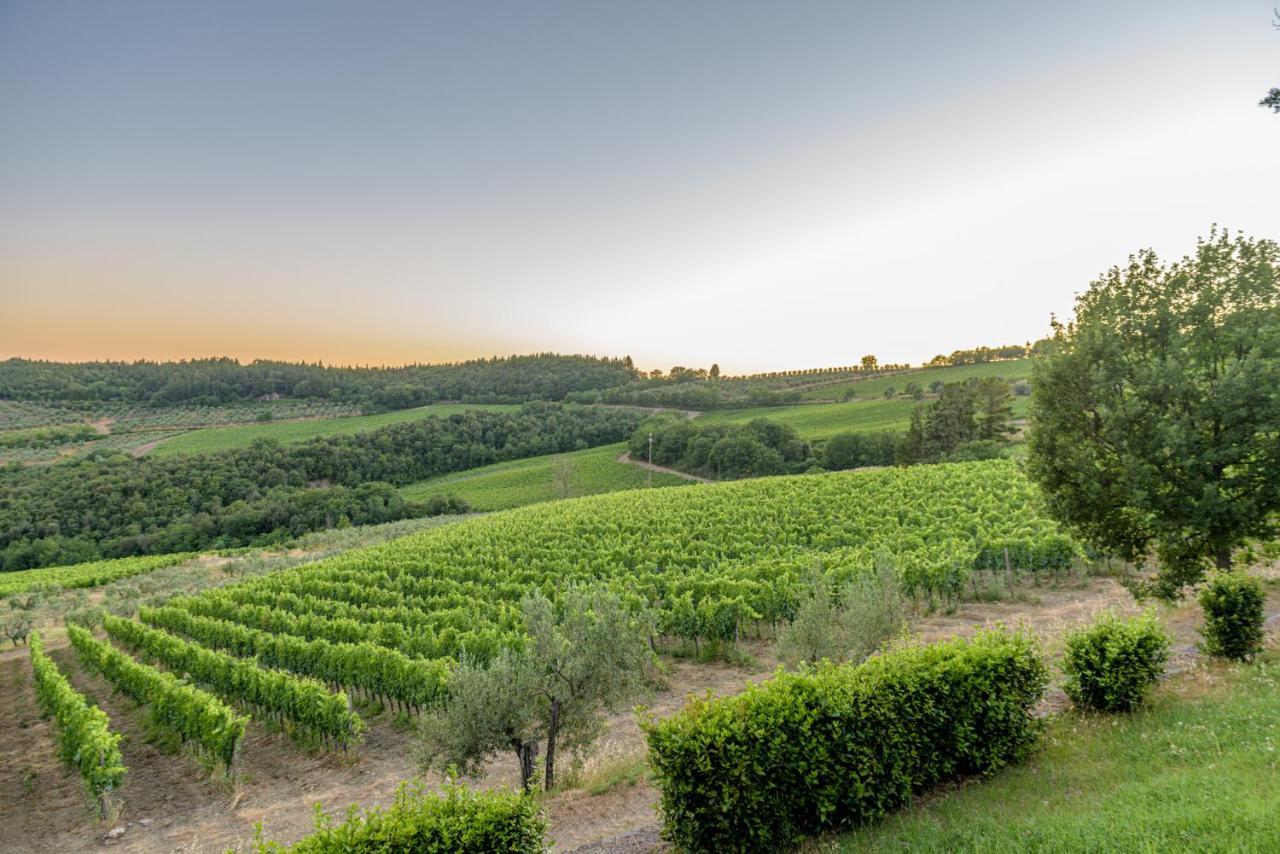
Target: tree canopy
1155	421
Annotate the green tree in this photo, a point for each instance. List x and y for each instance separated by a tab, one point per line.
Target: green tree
490	710
994	408
582	657
714	373
1154	418
869	363
843	622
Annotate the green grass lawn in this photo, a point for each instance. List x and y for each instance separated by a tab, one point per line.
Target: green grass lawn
1014	369
514	484
240	436
1197	771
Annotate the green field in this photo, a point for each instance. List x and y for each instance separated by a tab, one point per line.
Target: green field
1014	369
227	438
514	484
815	421
1197	771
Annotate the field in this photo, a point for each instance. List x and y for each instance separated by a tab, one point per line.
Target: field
214	439
816	421
1197	771
503	486
1013	369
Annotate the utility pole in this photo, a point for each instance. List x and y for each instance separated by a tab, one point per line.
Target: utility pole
649	471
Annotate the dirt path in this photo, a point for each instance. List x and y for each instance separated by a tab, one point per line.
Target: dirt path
626	458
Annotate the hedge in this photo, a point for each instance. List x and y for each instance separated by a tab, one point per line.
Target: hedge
456	821
842	745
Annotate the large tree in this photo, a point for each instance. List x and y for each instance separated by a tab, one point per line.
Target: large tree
1155	420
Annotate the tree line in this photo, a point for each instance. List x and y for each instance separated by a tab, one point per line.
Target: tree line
112	505
208	382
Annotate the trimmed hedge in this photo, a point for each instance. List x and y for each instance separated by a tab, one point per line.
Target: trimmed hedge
458	821
803	753
1112	665
1234	615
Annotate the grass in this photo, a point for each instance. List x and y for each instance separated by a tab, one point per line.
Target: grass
1014	369
814	421
1199	770
216	439
514	484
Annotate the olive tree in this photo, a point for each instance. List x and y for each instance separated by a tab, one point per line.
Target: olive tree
1154	419
583	656
844	622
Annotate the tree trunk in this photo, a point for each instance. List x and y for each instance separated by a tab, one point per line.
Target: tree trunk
1222	557
553	728
527	754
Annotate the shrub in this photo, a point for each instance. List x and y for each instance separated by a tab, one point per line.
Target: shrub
458	821
840	745
1112	665
845	623
1233	606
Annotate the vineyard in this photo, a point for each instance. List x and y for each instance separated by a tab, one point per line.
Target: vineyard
92	574
385	626
712	561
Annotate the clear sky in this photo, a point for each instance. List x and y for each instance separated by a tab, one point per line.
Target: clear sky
764	185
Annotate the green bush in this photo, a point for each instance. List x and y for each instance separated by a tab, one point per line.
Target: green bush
1112	665
1233	606
841	745
457	821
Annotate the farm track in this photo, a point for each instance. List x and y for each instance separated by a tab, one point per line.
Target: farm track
626	458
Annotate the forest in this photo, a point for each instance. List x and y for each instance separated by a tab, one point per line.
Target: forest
205	382
113	505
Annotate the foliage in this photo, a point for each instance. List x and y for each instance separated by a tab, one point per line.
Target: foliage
853	450
305	703
1153	421
1234	613
722	451
714	561
847	623
801	754
85	739
119	506
195	716
1112	665
977	410
1196	771
516	379
93	574
456	821
982	355
583	656
379	671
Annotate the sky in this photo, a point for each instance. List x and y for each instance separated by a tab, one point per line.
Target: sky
763	185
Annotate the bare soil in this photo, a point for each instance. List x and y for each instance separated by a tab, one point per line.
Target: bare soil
170	803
